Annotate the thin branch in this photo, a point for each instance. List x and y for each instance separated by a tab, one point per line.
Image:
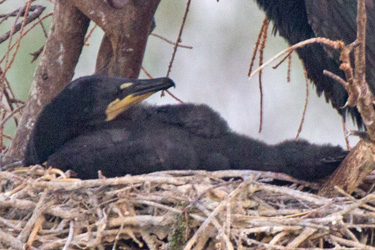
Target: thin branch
36	12
365	104
325	41
361	160
89	34
221	206
289	68
146	72
43	27
261	56
170	42
263	29
288	56
306	103
26	32
178	37
54	71
345	131
335	77
162	94
11	114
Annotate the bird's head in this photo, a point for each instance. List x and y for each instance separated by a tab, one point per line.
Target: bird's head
99	98
86	103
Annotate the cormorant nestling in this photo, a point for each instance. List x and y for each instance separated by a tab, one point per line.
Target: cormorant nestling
94	124
298	20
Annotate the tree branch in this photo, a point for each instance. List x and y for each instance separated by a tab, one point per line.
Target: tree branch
55	70
35	10
361	160
355	167
126	27
126	24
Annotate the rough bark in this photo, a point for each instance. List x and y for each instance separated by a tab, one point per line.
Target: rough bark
356	166
126	23
126	29
55	70
361	160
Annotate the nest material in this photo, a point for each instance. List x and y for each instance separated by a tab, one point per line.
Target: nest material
178	210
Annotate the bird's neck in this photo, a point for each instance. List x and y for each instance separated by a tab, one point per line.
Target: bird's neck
47	137
45	140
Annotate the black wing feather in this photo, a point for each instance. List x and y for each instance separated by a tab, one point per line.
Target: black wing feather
291	21
336	20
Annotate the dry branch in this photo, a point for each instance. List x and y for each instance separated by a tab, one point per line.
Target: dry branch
35	10
356	166
55	70
148	212
361	160
126	28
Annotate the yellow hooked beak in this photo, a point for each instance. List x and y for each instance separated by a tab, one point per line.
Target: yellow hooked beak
134	93
118	106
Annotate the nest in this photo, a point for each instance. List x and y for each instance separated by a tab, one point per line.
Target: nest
40	209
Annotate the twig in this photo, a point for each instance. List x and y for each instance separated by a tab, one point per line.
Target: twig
306	103
36	54
345	132
78	184
289	68
361	160
29	205
174	97
140	221
254	210
219	228
39	209
178	37
325	41
34	232
256	49
37	10
11	114
170	42
90	34
261	54
288	56
162	93
193	239
146	72
70	236
9	240
301	237
365	105
335	77
350	243
295	193
8	64
27	31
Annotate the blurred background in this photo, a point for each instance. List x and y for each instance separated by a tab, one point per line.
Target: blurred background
214	72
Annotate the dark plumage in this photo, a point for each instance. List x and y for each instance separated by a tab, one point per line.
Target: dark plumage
298	20
86	105
144	138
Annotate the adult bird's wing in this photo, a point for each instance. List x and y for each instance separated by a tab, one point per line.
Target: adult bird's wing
336	20
290	20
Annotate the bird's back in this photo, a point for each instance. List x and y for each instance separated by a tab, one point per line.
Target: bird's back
180	137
